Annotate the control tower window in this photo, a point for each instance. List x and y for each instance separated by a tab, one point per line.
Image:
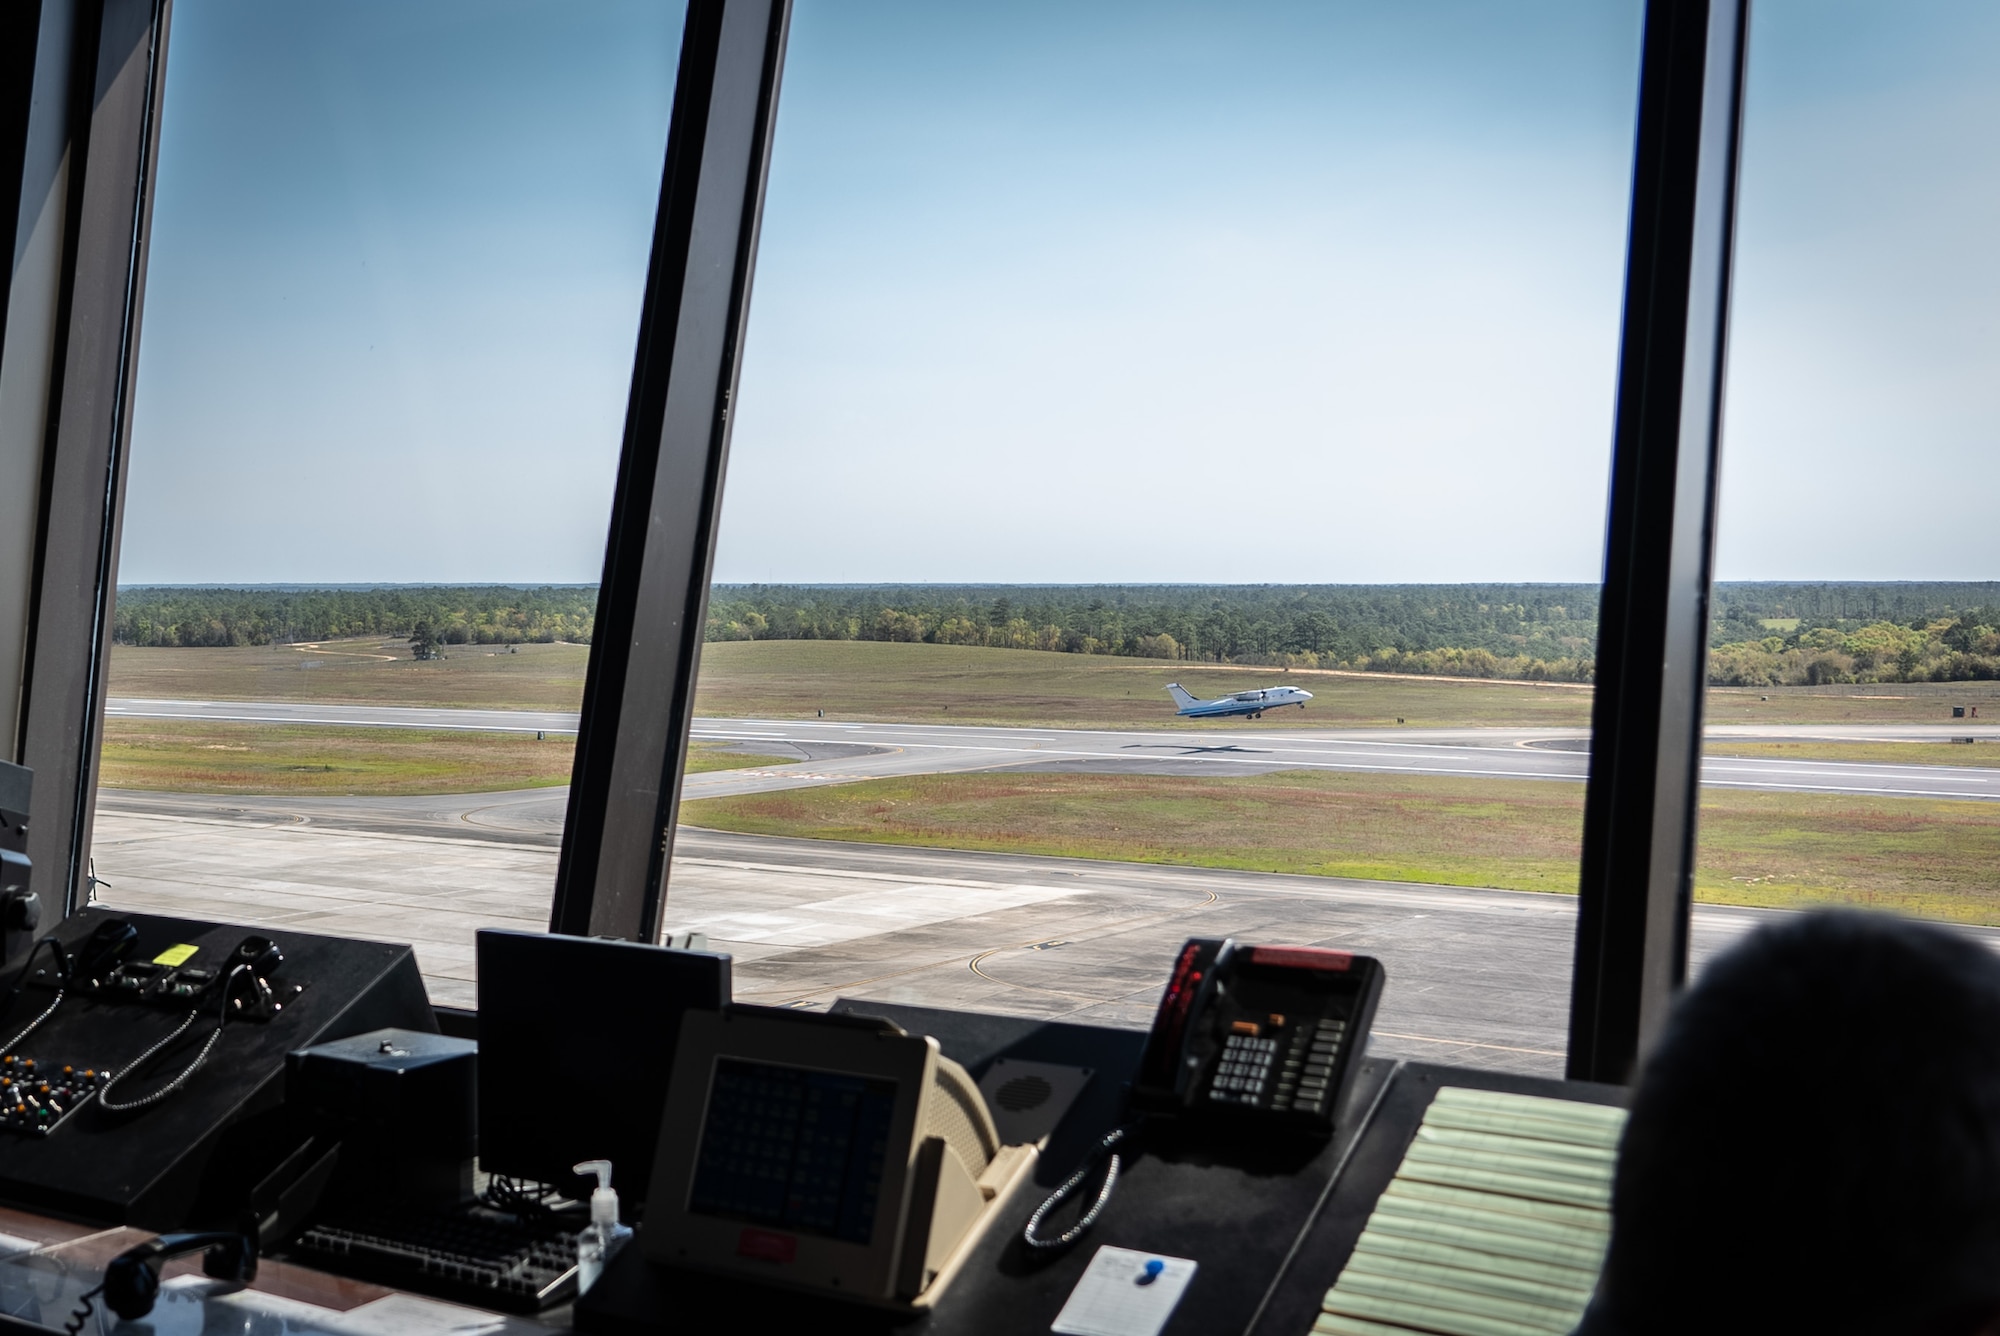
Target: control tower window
397	260
1855	650
1024	283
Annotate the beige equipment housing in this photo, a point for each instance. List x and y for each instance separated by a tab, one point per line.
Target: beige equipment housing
830	1153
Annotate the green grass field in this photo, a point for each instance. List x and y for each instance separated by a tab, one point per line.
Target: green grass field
1875	703
961	684
175	757
1937	859
1389	828
362	672
880	681
871	680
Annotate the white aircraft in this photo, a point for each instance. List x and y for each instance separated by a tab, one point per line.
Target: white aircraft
1252	703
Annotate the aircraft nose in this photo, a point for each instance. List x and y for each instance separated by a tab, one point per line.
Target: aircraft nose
1307	694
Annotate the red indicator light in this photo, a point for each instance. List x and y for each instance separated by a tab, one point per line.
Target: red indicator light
767	1245
1301	957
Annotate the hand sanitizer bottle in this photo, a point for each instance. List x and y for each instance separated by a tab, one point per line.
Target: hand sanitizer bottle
601	1240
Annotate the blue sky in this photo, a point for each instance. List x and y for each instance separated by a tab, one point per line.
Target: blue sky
1863	434
1301	292
395	277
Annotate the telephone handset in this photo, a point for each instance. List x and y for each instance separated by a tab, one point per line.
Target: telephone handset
1246	1039
1259	1033
132	1278
109	943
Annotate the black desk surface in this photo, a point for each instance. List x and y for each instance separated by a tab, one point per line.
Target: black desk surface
1269	1228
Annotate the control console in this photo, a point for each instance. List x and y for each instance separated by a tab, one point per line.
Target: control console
244	978
35	1102
162	1045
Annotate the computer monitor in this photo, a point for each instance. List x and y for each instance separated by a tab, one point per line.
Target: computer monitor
576	1051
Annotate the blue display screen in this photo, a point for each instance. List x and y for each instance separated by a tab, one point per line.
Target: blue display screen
794	1148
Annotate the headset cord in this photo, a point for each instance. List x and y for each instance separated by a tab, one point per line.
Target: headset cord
85	1306
20	982
1108	1146
186	1073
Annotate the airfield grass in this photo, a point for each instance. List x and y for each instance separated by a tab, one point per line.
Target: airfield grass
879	681
1919	856
360	672
963	684
876	681
1935	859
175	757
1513	835
1866	703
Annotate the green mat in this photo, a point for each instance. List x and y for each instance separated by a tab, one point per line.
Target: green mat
1495	1224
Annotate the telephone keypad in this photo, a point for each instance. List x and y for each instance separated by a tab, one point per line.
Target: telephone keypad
1250	1071
1244	1070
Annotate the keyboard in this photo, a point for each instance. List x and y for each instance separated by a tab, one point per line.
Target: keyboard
477	1256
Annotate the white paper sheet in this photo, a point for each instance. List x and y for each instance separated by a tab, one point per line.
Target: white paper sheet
1115	1298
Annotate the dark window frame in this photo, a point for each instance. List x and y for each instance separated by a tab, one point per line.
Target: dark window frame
102	105
1640	808
1636	895
652	605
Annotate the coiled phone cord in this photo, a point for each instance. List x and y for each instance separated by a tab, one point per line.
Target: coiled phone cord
86	1305
33	1025
1031	1235
20	981
186	1073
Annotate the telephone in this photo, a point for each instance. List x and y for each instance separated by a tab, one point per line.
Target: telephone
132	1279
240	990
1258	1033
245	972
109	943
1248	1041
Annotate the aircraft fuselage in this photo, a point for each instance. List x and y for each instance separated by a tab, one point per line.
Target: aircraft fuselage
1245	703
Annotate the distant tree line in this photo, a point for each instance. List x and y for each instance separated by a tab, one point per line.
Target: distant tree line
1822	634
452	615
1763	634
1536	632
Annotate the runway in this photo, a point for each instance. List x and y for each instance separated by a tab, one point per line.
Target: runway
838	752
1478	976
1475	976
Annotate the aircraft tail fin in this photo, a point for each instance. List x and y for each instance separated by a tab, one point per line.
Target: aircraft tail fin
1181	698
